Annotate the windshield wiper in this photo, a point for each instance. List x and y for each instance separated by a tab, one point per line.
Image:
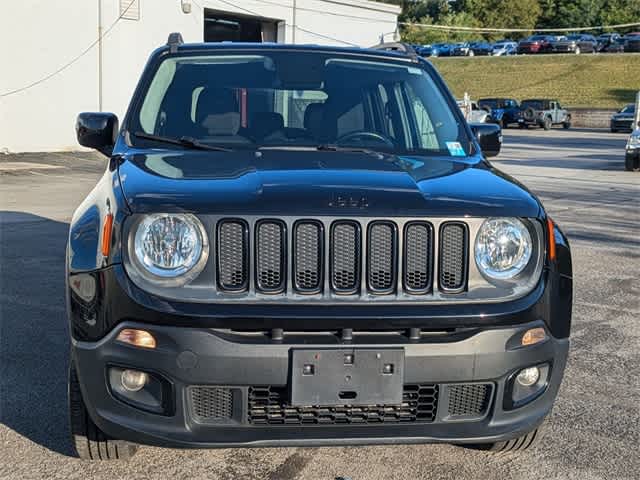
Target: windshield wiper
329	147
188	142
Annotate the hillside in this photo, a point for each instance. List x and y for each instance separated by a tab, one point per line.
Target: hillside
598	81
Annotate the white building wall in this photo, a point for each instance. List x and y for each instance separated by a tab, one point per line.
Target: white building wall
39	37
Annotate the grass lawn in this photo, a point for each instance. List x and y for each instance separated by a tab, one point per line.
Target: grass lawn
597	81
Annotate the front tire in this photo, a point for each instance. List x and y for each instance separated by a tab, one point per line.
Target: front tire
566	125
546	124
89	442
516	445
631	164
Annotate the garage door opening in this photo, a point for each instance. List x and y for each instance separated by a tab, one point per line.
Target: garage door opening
222	27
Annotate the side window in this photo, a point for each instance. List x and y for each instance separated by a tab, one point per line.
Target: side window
427	138
386	111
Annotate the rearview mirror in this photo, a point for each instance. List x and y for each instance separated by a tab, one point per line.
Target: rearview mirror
489	136
97	130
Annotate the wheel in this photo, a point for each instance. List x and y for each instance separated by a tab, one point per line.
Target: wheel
89	441
614	130
547	123
519	444
566	125
504	123
631	164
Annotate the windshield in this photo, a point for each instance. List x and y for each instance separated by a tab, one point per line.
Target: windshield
301	99
536	38
535	104
629	109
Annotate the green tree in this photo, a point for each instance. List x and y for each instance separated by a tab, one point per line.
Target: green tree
504	14
422	36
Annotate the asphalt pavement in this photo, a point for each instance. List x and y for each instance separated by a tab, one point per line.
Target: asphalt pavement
593	432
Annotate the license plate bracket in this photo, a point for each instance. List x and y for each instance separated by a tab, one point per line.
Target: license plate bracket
347	376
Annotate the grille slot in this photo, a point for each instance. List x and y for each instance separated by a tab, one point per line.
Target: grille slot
381	257
469	400
233	250
210	404
418	257
345	257
271	246
267	405
453	257
308	257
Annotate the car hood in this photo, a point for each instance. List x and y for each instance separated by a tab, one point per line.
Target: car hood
319	183
623	116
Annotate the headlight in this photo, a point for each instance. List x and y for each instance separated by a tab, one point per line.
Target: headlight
171	249
634	141
503	248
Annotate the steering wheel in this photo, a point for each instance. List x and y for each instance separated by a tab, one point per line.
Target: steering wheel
364	133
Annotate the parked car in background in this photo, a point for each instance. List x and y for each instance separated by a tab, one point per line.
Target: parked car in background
462	50
632	42
444	49
535	44
574	44
475	114
613	46
623	120
544	113
481	48
605	39
504	48
427	50
503	111
632	152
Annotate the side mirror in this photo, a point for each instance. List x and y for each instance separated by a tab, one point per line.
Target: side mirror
98	131
489	136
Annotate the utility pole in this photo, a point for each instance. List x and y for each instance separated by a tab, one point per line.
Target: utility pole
293	23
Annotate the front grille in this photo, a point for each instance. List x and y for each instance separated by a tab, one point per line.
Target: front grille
453	257
418	257
345	257
308	251
469	400
381	258
270	256
267	405
210	404
341	257
233	249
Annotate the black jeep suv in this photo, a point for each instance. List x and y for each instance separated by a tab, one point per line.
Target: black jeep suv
305	245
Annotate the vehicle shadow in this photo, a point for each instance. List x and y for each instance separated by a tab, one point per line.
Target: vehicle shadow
34	346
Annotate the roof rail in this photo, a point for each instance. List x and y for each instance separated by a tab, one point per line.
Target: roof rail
174	41
398	47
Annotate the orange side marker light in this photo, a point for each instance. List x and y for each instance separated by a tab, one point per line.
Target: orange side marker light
106	234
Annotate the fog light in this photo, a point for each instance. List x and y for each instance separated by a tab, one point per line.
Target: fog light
528	376
133	380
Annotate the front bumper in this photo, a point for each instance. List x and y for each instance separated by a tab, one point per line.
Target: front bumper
188	357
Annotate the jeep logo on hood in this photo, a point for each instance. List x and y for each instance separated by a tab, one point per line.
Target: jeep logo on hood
349	201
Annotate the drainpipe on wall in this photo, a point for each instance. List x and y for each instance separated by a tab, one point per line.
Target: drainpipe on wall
99	55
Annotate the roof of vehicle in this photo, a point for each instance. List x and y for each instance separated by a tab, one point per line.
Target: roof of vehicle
539	100
222	46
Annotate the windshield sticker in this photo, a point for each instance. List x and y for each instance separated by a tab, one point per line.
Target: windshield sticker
455	149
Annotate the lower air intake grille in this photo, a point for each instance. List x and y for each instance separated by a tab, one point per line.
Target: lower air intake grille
233	250
268	406
345	257
270	263
453	257
469	400
210	404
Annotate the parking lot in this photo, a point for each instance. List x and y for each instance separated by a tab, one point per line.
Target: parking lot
593	433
